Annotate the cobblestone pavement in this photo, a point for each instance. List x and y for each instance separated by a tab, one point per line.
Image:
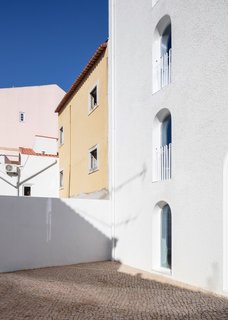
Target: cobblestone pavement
99	291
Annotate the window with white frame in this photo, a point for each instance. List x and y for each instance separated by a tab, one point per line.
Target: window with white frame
21	117
166	238
162	145
93	98
61	179
61	136
162	237
93	159
27	191
162	54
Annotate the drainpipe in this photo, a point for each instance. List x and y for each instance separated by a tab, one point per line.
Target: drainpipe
18	181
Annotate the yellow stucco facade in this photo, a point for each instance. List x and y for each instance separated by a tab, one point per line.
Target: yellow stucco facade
85	129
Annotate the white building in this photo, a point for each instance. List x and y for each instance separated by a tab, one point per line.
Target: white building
28	136
28	172
169	146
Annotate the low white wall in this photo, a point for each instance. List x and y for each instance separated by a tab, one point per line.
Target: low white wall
39	232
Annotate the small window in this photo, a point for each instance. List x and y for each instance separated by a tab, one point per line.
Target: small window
61	136
93	98
93	160
61	179
21	117
27	191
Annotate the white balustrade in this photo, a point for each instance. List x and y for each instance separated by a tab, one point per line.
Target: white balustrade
163	162
163	69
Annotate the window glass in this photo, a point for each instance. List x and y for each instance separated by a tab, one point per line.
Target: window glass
166	252
21	116
93	159
61	136
93	98
27	191
61	179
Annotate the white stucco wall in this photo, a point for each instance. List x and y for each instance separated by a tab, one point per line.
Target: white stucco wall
197	99
47	145
41	232
46	184
38	104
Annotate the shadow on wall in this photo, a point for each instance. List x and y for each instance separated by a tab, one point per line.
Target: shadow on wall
138	175
38	232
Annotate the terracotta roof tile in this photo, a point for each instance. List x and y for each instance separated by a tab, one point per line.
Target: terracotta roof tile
101	49
31	152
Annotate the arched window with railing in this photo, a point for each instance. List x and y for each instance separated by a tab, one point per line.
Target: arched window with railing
162	146
162	54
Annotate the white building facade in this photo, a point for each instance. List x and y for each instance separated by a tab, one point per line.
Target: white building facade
29	137
168	107
30	172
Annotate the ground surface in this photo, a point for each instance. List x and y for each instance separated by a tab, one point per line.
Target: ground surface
99	291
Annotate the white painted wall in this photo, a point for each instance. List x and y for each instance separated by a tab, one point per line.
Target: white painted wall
41	232
197	99
46	184
225	224
48	145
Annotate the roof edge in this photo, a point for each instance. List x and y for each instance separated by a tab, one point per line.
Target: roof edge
98	53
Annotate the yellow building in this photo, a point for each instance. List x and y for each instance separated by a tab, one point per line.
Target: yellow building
83	131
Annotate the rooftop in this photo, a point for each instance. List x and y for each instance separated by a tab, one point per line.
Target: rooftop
100	50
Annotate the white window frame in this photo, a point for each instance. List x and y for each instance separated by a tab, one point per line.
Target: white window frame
93	169
61	179
21	116
161	63
91	107
61	135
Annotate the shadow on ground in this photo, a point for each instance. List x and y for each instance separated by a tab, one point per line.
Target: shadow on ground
100	291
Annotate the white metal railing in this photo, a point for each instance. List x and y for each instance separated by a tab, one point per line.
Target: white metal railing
163	162
163	69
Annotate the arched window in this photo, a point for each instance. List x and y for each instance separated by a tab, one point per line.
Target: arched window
166	44
162	54
166	237
166	137
162	237
162	145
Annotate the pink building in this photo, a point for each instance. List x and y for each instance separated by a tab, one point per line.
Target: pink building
27	112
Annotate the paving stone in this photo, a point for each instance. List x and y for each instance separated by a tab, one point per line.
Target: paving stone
98	291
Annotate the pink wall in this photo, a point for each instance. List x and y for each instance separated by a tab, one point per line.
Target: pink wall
38	103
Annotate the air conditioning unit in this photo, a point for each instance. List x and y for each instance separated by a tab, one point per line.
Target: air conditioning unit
11	168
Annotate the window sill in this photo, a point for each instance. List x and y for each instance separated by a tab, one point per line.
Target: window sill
92	110
161	88
165	271
93	170
163	181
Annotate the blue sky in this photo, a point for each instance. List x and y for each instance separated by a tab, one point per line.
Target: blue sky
49	41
